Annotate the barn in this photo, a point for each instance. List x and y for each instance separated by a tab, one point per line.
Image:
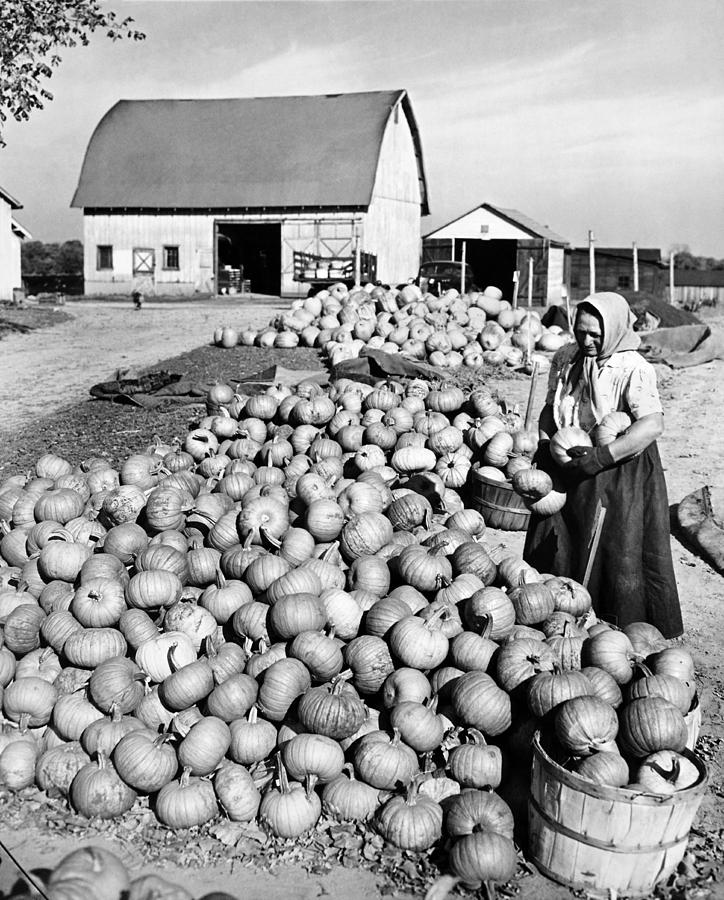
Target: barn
12	234
266	194
497	242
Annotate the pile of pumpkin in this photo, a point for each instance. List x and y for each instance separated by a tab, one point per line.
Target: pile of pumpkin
448	331
292	612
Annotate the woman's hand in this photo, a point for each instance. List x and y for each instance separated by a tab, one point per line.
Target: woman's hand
592	460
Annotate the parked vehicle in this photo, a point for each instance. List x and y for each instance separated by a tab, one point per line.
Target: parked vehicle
440	275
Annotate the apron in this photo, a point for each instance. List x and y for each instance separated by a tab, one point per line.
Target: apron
632	579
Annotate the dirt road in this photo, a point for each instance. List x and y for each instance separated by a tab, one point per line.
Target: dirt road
51	368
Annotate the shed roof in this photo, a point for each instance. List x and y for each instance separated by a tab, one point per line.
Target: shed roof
526	223
19	229
251	153
644	254
8	198
699	277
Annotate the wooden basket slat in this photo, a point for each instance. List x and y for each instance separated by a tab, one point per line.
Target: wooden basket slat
499	504
599	838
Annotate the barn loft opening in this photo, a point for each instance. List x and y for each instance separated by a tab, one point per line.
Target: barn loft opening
249	252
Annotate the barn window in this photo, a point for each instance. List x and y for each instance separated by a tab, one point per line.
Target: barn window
104	256
170	256
624	282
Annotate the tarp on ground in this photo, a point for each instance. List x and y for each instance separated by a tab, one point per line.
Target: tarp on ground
372	365
683	346
699	522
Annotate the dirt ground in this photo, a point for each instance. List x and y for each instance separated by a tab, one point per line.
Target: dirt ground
46	371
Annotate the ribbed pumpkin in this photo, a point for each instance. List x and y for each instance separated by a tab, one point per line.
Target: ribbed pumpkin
413	822
145	760
384	761
585	724
289	810
649	724
480	703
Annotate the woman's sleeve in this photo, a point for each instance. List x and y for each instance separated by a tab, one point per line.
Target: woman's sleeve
641	394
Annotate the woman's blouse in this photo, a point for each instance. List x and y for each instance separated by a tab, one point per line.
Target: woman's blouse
626	383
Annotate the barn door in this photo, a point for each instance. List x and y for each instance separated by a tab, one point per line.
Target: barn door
144	270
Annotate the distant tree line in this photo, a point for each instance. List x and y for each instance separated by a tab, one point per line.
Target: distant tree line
38	258
685	259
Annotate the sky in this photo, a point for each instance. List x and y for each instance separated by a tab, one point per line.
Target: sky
601	115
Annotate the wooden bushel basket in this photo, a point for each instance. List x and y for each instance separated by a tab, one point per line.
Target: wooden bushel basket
603	839
499	504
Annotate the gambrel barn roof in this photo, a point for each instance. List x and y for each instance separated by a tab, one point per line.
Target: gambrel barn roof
255	153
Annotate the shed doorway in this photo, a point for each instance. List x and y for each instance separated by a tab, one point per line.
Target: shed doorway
249	252
493	262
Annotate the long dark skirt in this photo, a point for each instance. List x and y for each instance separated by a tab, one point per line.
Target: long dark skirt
632	579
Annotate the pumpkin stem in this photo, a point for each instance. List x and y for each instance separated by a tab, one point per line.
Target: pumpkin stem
252	715
101	759
310	781
671	775
282	774
185	776
116	713
477	736
270	539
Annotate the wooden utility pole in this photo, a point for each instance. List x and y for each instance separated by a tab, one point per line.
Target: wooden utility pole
516	281
635	268
462	273
671	276
591	263
530	283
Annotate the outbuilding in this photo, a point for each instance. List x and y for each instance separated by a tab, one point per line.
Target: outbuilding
12	235
497	242
263	194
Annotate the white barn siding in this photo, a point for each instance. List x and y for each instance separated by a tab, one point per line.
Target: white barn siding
392	224
329	234
9	253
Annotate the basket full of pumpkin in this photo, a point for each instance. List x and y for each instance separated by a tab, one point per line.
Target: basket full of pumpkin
294	611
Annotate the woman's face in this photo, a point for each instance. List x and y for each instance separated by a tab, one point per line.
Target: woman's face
589	334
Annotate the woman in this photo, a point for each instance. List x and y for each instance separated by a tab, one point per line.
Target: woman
632	579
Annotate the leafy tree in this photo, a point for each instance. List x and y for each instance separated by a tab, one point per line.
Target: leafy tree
38	258
31	35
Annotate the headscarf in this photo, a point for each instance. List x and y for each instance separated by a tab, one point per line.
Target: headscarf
617	334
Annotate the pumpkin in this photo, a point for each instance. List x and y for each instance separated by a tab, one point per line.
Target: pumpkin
383	761
418	723
483	857
145	760
546	690
478	811
650	724
237	795
289	810
604	767
533	603
345	798
187	802
116	683
479	703
564	439
57	767
666	772
97	791
252	739
585	724
613	652
88	872
476	764
204	746
413	822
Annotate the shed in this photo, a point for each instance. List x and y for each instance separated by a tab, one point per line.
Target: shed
265	193
694	288
614	269
497	242
12	234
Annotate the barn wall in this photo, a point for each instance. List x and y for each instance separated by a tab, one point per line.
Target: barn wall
392	224
9	250
329	234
